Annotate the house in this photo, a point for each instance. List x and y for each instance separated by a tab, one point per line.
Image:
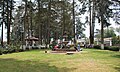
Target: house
107	41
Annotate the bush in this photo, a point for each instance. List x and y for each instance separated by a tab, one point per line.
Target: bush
11	50
97	47
35	47
21	50
5	51
106	47
14	48
114	48
0	51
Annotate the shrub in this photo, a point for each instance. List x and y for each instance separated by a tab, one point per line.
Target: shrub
21	50
0	51
114	48
11	50
97	47
106	47
35	47
14	48
5	51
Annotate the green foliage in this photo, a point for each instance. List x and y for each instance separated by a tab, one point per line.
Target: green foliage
106	47
0	51
54	17
10	7
10	49
116	40
109	32
112	48
118	30
80	28
116	13
97	47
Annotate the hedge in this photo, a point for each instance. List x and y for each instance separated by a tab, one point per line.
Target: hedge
112	48
0	51
97	47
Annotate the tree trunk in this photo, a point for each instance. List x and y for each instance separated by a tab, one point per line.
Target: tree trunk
11	7
40	25
25	21
74	22
64	17
49	14
90	20
31	22
102	32
46	32
2	25
102	23
8	23
93	23
41	34
39	16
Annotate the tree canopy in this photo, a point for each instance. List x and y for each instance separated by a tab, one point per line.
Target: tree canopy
47	19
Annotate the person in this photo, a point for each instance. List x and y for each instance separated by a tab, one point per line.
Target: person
78	47
55	47
75	48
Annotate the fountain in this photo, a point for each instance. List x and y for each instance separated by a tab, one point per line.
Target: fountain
65	48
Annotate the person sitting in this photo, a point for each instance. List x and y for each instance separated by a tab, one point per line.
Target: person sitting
56	47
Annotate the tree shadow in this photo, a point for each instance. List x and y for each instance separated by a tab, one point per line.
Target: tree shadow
117	68
14	65
116	56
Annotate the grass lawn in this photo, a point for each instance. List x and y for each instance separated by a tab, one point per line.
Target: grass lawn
89	60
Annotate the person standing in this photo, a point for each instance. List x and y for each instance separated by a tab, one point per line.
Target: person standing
78	47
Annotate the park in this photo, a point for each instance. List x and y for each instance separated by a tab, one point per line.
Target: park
59	36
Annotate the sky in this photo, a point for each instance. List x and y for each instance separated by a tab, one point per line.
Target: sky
86	32
4	34
98	26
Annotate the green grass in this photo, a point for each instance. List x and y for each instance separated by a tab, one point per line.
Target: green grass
89	60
